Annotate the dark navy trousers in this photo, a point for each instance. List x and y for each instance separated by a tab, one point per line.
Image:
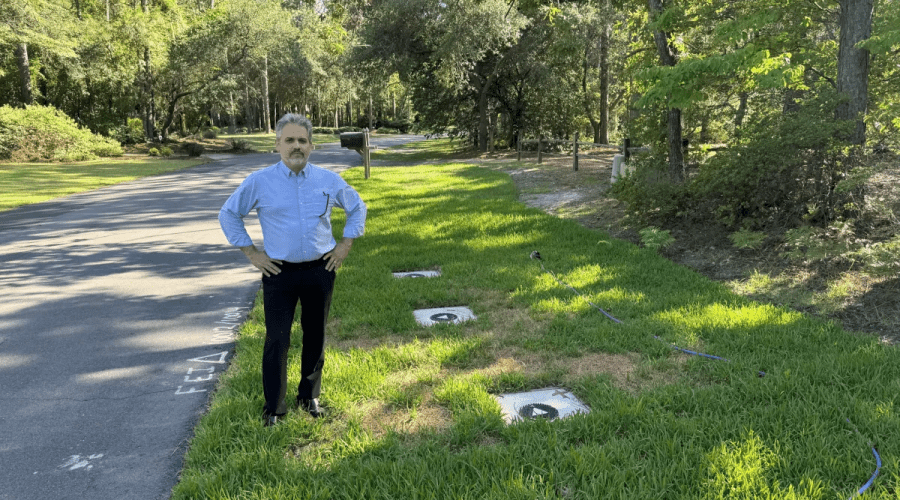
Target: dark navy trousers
310	284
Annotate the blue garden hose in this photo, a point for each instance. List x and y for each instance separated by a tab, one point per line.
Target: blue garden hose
536	255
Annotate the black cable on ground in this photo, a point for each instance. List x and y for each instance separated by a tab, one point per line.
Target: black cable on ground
537	256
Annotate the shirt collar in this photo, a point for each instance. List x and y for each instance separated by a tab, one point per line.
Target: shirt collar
287	172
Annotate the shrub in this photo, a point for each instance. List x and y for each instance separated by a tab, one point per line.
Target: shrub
747	239
165	151
240	145
814	244
655	238
880	259
386	130
131	133
210	134
43	133
651	198
194	149
785	164
153	152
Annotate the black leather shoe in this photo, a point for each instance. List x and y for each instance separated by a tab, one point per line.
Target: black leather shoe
310	406
270	420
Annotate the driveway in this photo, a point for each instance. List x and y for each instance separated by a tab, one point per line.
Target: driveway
118	309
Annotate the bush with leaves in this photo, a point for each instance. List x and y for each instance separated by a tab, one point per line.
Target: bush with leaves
194	149
131	133
785	171
240	145
43	133
655	238
650	197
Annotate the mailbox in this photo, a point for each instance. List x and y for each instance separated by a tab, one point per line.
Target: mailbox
353	140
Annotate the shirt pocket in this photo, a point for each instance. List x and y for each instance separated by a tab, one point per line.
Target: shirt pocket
328	204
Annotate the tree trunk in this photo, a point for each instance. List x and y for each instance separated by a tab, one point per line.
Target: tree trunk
588	105
24	74
740	114
149	95
668	57
248	118
602	136
853	65
231	125
265	98
483	113
676	146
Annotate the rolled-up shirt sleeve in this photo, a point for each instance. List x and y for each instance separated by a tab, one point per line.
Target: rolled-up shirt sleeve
348	199
231	216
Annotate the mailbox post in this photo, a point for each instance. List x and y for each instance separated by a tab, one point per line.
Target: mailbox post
359	142
367	159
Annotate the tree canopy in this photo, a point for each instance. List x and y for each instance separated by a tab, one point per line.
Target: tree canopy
662	73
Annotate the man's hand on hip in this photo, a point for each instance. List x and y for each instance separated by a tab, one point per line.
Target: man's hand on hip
335	258
261	261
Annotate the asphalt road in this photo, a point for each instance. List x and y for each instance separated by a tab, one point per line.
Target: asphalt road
117	314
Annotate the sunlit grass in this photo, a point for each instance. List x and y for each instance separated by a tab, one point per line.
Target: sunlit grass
26	183
787	289
434	149
411	409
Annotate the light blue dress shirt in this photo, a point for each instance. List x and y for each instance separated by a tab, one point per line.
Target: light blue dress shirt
294	211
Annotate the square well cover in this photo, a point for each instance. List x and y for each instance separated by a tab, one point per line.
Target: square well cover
551	403
429	317
417	274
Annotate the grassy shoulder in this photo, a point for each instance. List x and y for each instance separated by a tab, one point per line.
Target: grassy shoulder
435	149
27	183
411	412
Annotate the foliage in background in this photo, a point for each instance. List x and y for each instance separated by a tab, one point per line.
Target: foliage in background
655	238
130	133
39	133
785	170
747	239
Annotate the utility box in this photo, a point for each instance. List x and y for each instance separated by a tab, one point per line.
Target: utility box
353	140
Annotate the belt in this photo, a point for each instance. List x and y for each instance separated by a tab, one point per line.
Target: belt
304	265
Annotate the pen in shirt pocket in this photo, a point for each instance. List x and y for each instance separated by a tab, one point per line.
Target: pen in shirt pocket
328	199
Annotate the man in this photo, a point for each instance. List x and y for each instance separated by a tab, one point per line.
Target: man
293	199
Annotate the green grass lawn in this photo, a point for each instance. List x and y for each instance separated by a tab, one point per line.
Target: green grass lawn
443	148
411	412
26	183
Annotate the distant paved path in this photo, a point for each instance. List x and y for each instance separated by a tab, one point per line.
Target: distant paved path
117	311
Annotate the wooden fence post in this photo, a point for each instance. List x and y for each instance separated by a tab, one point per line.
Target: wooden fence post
575	154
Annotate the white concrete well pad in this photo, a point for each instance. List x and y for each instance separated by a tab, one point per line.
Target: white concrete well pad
551	404
417	274
429	317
